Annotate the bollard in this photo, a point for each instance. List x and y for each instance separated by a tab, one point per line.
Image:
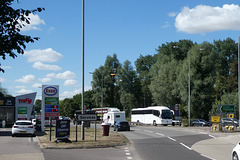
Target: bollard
3	123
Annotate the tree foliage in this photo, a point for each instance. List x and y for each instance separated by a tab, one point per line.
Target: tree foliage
12	20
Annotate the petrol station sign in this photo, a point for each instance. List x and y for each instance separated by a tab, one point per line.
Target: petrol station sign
50	104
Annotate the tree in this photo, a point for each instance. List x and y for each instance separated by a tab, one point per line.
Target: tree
143	65
165	72
38	105
127	91
12	20
103	81
203	75
68	107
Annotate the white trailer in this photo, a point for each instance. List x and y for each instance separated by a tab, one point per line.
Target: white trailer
113	117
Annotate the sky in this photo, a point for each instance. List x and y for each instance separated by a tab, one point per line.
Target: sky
128	28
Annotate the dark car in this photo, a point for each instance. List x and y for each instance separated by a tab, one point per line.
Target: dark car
121	126
201	122
229	122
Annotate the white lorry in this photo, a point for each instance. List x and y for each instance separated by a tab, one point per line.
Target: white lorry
113	117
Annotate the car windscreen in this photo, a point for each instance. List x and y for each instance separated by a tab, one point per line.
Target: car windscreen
124	123
23	123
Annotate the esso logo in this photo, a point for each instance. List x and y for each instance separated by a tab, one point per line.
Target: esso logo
50	91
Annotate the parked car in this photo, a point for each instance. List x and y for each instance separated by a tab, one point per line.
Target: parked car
176	121
229	121
64	118
201	122
121	125
23	127
236	152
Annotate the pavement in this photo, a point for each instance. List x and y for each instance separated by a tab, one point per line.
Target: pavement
219	147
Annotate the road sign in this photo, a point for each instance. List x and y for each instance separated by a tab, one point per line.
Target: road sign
215	119
87	117
227	108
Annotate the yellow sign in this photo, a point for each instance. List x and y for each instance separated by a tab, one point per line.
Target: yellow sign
230	115
215	119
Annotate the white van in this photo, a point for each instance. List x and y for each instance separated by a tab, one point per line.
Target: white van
113	117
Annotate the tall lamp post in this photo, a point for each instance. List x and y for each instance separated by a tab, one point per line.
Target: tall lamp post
82	127
238	79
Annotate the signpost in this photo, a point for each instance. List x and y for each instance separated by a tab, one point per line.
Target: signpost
50	104
227	108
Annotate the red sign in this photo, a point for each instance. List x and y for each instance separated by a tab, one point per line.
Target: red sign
27	100
51	114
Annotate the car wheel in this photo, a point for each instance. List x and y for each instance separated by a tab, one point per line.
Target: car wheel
13	135
154	123
235	156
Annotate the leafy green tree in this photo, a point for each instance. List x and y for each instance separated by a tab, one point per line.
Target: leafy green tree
143	65
165	72
203	74
226	65
12	20
68	107
102	80
38	105
126	79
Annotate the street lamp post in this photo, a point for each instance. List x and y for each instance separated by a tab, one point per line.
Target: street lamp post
82	127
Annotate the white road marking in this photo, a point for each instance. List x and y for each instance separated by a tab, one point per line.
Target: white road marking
160	134
128	154
126	150
203	132
212	136
186	146
129	158
171	138
148	131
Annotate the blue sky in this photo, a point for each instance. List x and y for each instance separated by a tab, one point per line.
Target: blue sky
129	28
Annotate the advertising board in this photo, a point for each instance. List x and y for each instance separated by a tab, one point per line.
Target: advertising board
25	106
62	129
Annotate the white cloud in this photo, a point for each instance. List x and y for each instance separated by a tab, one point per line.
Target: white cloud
45	80
70	82
64	75
2	80
46	55
69	94
20	87
37	85
35	21
6	67
166	25
172	14
202	19
27	79
23	91
41	66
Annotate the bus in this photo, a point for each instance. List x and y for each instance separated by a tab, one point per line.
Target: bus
152	115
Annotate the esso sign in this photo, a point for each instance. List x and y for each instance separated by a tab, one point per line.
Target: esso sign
50	91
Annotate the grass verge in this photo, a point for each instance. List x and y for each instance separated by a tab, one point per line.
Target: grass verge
114	139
